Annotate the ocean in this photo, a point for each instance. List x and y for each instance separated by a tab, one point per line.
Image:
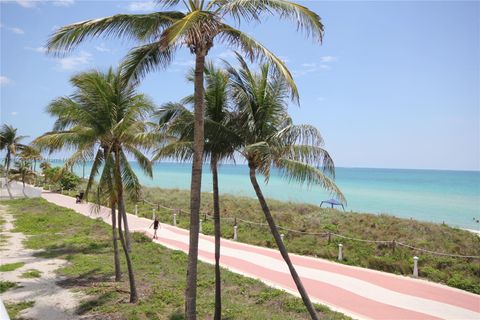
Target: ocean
452	197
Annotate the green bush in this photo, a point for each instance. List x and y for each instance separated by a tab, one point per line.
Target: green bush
65	180
69	181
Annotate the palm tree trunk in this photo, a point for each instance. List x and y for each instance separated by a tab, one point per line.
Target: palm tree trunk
195	189
127	230
279	242
217	230
116	256
7	168
131	276
23	189
122	216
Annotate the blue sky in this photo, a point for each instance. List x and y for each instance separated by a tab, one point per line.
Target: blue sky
394	84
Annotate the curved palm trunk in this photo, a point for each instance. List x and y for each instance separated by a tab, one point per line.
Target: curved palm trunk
279	242
195	189
7	168
131	276
216	219
116	256
122	216
127	230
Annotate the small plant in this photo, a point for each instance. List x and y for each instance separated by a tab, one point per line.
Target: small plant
11	266
15	308
31	273
5	285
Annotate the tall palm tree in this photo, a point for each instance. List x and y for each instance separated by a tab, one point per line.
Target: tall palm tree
196	27
220	144
22	172
10	143
271	140
104	120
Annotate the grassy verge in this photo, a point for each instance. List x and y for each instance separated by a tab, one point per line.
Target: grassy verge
160	272
15	308
456	272
11	266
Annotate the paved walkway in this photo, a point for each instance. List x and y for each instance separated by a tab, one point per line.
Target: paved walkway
357	292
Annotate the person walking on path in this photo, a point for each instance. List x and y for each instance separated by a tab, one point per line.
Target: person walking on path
155	224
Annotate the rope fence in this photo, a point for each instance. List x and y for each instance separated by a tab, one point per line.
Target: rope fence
330	235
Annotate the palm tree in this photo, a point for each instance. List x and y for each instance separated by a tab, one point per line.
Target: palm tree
10	143
32	154
271	140
104	120
220	144
22	172
197	27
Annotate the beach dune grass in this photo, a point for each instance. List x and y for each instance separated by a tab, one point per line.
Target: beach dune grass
86	244
462	273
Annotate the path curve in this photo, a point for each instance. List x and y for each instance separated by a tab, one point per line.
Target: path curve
357	292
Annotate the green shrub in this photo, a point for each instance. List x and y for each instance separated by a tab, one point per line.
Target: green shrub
5	285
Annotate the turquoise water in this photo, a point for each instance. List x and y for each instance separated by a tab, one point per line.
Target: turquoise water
452	197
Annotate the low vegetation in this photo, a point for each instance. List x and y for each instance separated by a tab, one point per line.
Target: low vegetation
5	285
462	273
15	308
160	272
11	266
31	273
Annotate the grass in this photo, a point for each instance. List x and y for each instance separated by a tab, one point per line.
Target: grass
31	273
456	272
11	266
6	285
15	308
160	272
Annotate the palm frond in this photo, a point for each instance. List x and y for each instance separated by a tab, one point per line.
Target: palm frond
143	59
176	150
304	173
306	20
126	26
254	50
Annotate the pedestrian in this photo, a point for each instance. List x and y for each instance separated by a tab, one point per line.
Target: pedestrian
155	225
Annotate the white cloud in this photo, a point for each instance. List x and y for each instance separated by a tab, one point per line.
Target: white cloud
63	3
328	59
34	3
102	48
309	65
5	80
14	113
16	30
141	6
28	3
37	49
75	62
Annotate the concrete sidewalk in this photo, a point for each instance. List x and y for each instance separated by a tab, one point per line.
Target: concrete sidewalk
357	292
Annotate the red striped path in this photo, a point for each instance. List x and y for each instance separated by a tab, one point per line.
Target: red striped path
357	292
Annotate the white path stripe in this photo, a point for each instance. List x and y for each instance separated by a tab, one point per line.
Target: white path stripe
356	286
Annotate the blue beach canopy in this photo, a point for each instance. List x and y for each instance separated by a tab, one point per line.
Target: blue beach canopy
332	202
